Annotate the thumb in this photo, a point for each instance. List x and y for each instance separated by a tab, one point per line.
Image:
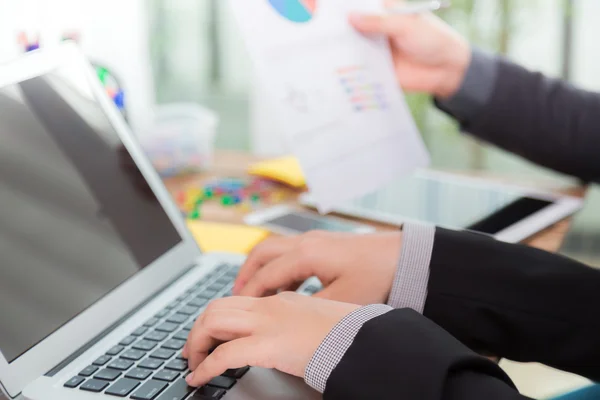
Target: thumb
389	25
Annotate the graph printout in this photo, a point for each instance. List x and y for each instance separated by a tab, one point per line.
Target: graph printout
336	93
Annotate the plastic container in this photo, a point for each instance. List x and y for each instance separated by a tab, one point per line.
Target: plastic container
182	139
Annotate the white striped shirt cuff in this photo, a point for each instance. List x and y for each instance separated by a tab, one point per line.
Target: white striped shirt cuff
333	348
412	277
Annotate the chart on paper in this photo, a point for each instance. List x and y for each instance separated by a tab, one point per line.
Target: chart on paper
299	11
335	92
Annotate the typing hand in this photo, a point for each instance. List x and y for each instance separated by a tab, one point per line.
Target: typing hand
356	269
429	56
280	332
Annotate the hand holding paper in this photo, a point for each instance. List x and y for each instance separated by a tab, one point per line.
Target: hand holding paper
335	89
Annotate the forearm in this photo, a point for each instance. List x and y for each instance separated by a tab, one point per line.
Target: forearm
515	302
544	120
402	355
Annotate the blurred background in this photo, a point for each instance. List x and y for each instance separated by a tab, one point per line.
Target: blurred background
167	51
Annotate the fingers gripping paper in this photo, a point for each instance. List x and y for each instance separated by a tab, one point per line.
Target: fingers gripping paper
336	93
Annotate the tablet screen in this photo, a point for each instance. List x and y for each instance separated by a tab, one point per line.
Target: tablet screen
447	201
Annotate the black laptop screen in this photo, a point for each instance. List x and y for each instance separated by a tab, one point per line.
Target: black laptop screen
76	217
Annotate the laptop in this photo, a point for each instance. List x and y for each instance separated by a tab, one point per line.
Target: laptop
100	281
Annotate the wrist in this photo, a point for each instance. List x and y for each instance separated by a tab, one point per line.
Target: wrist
455	71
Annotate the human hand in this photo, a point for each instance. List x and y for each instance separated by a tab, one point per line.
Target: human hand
357	269
429	56
280	332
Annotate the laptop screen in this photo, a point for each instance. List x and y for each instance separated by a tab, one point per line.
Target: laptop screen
76	217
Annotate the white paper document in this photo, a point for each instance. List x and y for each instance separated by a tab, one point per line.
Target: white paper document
336	93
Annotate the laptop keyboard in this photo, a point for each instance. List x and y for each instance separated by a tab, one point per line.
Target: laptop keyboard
147	364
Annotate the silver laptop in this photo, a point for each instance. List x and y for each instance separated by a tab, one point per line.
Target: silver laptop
100	282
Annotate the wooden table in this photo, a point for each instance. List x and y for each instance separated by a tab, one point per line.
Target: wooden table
234	164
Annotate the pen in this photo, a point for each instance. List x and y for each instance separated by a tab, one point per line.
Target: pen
419	7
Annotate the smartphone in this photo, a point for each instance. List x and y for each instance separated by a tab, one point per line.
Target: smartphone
289	221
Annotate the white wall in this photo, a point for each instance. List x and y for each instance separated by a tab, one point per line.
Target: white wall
113	32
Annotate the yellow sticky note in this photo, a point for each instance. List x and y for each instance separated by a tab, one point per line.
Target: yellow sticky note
284	169
228	238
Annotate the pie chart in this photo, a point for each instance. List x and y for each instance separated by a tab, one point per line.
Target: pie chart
299	11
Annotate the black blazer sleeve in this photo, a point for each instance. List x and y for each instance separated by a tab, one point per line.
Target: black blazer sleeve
516	302
545	120
402	355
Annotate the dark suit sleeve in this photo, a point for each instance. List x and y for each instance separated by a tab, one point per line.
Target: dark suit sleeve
403	355
516	302
544	120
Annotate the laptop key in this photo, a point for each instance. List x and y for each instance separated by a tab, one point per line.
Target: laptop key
173	304
181	335
166	327
139	331
151	322
208	393
114	350
173	344
127	341
236	373
177	391
161	314
88	371
120	364
207	294
122	387
189	325
188	310
150	363
224	281
177	365
156	336
133	355
182	297
217	287
149	390
100	361
180	357
222	382
94	385
108	374
197	302
232	274
177	318
162	354
144	345
74	382
166	375
138	373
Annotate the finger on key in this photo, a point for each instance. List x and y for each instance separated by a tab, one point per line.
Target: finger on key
259	256
236	354
217	327
283	272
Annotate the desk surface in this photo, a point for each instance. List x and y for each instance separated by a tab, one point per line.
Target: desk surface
234	164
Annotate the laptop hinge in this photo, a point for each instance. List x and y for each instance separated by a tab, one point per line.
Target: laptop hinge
108	330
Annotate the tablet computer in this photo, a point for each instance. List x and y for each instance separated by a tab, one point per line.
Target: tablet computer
509	213
582	242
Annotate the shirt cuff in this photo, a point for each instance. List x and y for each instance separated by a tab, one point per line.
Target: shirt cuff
412	277
477	88
333	348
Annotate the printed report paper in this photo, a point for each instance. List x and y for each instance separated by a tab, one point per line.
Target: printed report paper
336	93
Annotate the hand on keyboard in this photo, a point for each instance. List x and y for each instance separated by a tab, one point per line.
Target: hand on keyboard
357	269
281	332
